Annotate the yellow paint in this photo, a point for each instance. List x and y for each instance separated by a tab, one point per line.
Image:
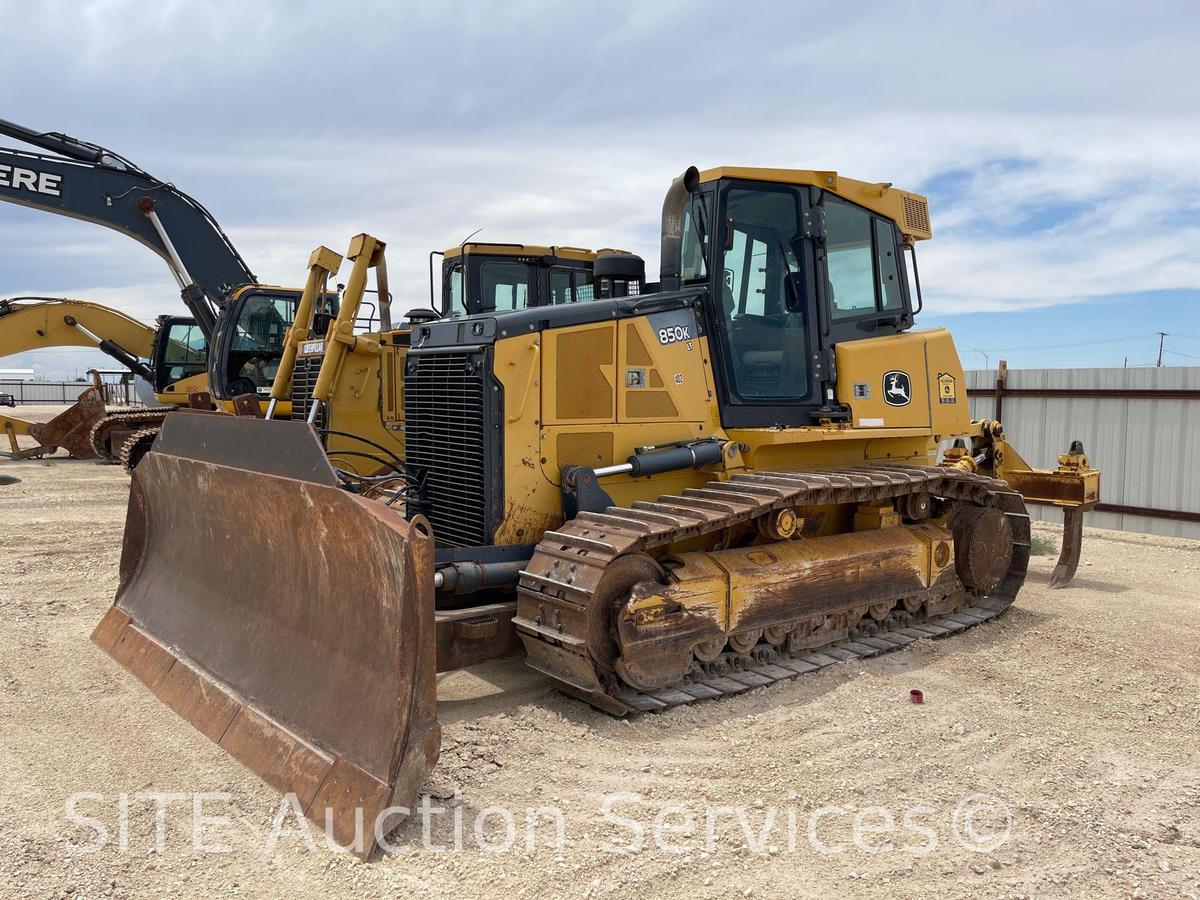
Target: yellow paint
580	254
38	324
908	210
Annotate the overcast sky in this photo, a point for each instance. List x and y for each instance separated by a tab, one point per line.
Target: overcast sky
1059	143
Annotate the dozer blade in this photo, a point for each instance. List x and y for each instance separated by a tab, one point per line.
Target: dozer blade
289	621
1072	544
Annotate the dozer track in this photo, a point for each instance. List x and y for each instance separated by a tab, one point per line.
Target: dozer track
137	445
571	573
102	432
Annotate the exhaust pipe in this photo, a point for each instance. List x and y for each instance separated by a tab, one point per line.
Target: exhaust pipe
672	226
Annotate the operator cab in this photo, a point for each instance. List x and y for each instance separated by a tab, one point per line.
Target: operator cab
180	351
792	266
250	337
489	278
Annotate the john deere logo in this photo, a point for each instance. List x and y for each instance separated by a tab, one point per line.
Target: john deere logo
897	388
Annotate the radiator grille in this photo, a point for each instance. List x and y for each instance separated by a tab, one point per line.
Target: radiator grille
304	380
448	440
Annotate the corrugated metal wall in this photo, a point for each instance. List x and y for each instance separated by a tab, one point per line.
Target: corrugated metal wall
1146	449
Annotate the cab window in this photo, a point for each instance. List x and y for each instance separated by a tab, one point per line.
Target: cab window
186	352
693	247
264	322
186	345
504	285
861	261
767	346
570	285
452	292
848	260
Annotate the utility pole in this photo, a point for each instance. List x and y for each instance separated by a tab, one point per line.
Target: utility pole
1162	336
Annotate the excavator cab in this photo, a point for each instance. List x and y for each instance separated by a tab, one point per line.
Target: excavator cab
180	352
249	337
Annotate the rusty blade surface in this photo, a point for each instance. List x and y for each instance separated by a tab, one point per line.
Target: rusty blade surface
286	619
1072	545
71	429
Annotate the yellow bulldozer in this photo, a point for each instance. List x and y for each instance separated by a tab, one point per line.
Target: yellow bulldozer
663	495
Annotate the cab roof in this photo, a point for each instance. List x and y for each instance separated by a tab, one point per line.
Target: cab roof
908	210
581	254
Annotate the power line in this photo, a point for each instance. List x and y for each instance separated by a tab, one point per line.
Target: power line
1185	355
1120	340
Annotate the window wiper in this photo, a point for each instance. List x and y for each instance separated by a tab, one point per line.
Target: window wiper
701	221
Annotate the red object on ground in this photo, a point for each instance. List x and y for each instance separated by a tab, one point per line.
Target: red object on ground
916	696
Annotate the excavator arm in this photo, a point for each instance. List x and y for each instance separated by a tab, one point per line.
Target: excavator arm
31	323
86	181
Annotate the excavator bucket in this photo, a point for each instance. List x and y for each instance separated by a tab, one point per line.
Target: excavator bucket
288	620
71	429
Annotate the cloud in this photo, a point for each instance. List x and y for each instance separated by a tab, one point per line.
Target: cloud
1057	147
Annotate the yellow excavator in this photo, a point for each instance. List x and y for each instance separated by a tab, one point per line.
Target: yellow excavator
750	471
171	356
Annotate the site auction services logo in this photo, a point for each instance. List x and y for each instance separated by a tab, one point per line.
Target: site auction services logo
978	823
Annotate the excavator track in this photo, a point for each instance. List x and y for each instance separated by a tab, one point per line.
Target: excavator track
129	421
569	566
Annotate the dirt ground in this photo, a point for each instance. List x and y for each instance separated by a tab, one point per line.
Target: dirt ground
1057	753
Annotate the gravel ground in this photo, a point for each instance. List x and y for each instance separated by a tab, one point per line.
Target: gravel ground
1076	714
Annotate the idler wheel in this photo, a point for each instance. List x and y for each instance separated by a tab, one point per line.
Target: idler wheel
982	547
619	579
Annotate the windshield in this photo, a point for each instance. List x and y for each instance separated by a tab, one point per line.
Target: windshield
258	338
504	285
767	347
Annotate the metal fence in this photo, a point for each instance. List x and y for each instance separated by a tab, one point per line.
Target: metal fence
1140	428
67	392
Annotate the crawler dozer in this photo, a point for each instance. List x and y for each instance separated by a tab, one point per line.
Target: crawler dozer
750	471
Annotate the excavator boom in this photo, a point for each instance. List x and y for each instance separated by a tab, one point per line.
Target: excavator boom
88	182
